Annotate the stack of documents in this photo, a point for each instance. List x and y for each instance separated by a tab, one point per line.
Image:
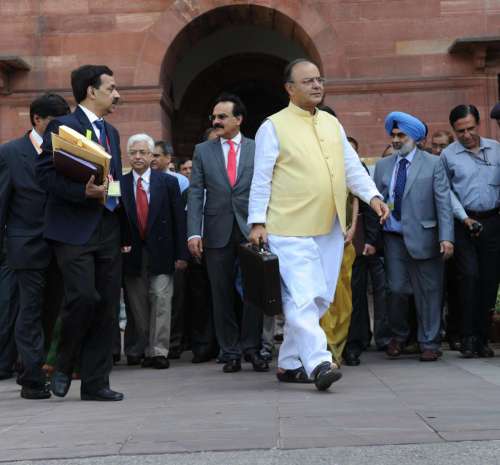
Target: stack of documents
79	158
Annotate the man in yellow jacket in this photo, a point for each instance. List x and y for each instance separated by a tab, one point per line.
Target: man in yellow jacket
303	168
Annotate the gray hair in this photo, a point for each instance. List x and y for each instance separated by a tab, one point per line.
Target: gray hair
141	138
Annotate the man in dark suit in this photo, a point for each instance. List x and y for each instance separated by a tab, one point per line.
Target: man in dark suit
153	203
84	225
218	200
22	205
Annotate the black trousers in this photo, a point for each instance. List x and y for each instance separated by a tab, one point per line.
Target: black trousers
9	308
40	298
477	261
92	279
359	330
200	319
453	319
222	271
179	303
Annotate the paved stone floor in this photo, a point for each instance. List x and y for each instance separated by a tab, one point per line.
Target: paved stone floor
197	415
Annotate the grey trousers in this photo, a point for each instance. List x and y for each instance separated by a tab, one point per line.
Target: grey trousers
423	279
150	303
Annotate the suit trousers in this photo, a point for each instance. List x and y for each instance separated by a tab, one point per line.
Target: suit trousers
477	261
150	303
222	272
453	316
179	302
359	331
201	318
9	307
422	278
92	280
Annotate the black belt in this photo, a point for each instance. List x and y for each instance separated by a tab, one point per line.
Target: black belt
482	215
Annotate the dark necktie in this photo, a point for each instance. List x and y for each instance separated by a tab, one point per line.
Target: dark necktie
399	188
141	201
111	202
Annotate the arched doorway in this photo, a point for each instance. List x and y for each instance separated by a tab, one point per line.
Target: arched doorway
241	49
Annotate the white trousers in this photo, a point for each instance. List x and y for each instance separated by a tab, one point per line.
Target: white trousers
309	269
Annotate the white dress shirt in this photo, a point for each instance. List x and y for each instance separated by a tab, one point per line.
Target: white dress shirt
36	140
145	181
225	148
267	150
92	118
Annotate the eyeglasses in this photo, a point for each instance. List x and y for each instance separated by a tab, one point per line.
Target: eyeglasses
132	153
310	81
221	116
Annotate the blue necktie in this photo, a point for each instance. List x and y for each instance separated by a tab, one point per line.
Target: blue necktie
111	202
399	188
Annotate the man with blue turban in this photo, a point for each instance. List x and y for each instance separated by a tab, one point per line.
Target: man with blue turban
418	235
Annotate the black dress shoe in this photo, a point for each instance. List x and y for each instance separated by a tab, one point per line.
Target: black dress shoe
351	358
232	366
133	360
60	383
484	351
468	347
324	375
298	375
147	362
40	392
258	363
454	344
160	363
201	358
102	395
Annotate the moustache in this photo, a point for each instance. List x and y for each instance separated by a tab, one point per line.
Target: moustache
218	126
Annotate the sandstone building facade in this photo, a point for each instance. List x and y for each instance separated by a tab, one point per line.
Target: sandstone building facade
171	58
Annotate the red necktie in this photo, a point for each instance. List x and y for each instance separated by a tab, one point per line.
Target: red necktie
231	163
141	200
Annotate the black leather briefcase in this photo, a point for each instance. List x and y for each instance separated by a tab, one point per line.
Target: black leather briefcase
261	278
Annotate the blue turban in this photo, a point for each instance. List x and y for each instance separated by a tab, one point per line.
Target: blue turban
408	124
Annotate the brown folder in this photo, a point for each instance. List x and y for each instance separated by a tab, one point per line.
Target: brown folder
261	278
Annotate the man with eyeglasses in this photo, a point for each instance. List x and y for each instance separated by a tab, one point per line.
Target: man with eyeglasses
218	206
472	164
304	166
153	203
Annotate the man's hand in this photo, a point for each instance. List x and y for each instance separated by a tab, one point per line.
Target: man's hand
181	264
380	208
469	224
349	235
258	234
369	250
126	249
446	248
195	246
93	191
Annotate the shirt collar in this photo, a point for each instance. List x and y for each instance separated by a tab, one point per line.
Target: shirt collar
483	144
36	138
236	139
89	114
145	176
408	157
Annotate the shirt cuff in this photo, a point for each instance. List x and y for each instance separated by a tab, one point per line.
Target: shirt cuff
194	237
255	218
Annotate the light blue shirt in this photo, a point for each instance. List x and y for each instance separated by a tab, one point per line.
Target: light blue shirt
392	224
181	179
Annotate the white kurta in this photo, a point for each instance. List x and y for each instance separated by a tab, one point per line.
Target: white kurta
309	266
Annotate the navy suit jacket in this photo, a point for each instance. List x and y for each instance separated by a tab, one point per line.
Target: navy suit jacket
22	206
70	217
165	239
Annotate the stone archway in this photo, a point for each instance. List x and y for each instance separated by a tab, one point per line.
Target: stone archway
296	24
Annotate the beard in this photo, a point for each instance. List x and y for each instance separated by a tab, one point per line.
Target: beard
405	149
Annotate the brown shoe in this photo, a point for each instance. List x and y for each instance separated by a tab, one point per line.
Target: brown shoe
393	349
429	355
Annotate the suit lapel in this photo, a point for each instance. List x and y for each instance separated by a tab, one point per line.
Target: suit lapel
415	167
85	122
154	197
243	159
219	157
127	185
